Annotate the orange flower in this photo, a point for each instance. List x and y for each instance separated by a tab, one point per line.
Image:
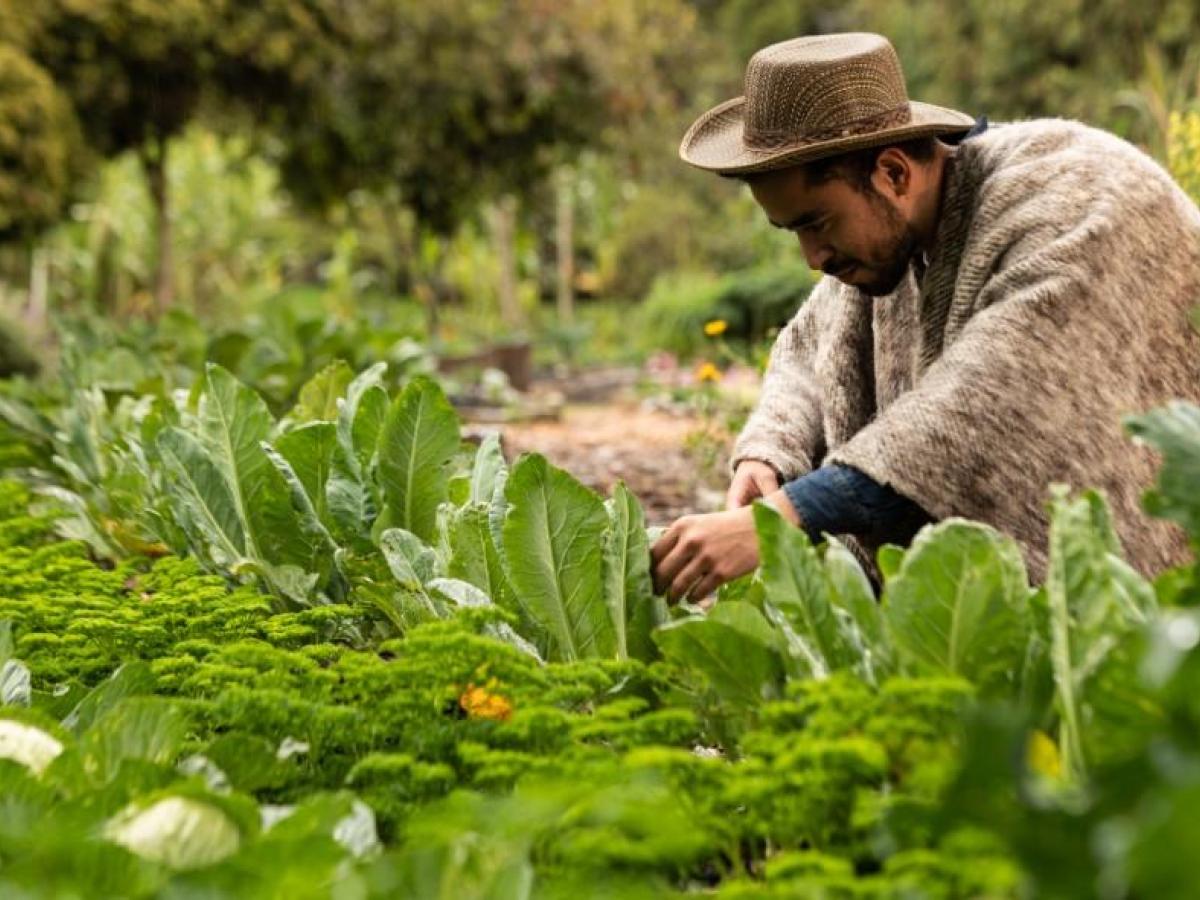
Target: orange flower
708	372
481	703
715	328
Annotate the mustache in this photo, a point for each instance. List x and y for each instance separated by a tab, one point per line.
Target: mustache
838	267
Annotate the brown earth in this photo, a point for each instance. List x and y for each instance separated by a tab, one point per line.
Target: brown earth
658	454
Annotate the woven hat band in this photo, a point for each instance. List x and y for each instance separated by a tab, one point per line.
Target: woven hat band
773	140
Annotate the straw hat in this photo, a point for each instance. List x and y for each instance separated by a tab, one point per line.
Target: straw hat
813	97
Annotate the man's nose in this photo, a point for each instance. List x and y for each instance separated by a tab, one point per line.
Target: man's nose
816	254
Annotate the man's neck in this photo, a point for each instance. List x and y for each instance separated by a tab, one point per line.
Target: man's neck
928	208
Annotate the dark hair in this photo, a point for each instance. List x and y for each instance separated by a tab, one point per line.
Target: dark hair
855	168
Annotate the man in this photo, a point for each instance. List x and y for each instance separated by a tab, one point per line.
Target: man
994	301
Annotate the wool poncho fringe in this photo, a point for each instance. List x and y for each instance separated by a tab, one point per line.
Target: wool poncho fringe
1056	301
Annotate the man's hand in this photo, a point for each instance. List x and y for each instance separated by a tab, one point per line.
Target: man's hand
698	554
752	479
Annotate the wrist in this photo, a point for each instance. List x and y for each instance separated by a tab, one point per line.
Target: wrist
783	504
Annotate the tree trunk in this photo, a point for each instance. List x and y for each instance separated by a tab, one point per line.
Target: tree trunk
39	288
504	233
564	244
154	162
426	281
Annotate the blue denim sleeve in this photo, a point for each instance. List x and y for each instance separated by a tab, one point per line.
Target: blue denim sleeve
842	500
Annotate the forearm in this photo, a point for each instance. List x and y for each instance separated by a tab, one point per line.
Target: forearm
842	500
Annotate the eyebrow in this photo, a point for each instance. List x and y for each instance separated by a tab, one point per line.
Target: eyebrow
801	221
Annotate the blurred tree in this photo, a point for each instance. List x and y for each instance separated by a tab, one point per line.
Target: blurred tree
1009	59
442	107
39	147
135	72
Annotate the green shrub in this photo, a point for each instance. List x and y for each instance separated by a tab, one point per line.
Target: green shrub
752	303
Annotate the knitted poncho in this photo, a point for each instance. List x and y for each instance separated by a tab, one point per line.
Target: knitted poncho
1056	301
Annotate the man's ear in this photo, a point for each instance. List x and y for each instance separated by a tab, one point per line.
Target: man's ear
893	174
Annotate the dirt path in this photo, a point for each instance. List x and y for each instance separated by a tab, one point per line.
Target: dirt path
622	440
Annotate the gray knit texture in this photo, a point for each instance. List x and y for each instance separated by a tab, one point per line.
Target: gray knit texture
1057	300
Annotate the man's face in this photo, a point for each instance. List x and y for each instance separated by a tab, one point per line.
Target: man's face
861	238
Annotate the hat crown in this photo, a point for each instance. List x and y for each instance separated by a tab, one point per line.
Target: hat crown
822	87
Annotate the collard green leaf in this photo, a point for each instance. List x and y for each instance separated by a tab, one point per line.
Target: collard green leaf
150	729
488	464
473	554
1174	431
359	419
312	528
411	561
16	687
368	426
234	421
859	611
419	438
798	586
628	589
553	539
202	499
318	401
130	680
889	557
309	452
960	606
352	501
733	647
1094	601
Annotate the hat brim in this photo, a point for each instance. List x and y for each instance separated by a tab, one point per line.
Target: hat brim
715	140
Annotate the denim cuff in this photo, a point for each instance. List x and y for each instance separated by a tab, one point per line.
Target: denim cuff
827	500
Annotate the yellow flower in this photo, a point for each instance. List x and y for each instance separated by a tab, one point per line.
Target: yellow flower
708	372
715	328
1041	755
481	703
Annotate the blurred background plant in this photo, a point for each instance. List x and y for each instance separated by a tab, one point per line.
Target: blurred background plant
350	176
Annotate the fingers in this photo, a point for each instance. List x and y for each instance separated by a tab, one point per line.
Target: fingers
687	579
741	491
705	587
668	557
765	483
664	545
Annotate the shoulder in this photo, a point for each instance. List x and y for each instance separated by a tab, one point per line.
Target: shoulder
1055	175
1061	159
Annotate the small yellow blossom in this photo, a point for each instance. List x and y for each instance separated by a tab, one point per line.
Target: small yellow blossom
715	328
1041	755
708	372
481	703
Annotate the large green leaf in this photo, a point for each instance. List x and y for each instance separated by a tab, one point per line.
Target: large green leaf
234	421
861	617
152	729
1174	431
733	647
960	606
628	589
1095	600
486	469
473	554
309	451
798	586
553	538
411	561
202	499
360	415
419	439
318	401
309	518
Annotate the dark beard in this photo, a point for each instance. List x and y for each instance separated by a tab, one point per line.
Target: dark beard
891	269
